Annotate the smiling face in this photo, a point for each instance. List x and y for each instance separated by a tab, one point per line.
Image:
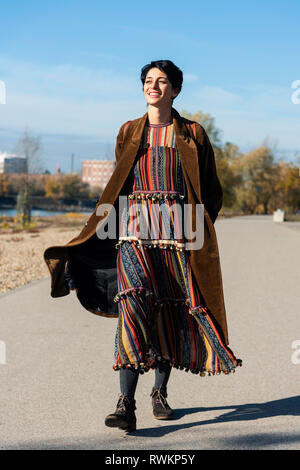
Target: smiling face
158	90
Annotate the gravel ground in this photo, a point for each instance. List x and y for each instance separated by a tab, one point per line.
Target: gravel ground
21	254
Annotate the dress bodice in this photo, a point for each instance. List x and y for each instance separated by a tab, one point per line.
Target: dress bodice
155	204
158	166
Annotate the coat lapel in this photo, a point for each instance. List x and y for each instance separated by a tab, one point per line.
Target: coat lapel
188	152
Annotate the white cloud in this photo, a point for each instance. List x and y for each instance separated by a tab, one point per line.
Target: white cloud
66	78
216	96
190	78
54	115
68	99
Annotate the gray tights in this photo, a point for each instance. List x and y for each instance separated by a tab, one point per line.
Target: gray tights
129	379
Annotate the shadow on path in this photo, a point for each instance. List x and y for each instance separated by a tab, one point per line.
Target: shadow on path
249	412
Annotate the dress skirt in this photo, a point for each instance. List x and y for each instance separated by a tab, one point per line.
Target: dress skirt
162	315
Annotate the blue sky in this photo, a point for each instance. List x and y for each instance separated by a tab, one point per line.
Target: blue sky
71	70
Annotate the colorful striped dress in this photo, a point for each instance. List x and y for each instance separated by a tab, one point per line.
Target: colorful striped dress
162	316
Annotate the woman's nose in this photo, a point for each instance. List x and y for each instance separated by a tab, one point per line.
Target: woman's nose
154	85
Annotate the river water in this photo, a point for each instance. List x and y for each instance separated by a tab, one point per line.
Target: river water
41	213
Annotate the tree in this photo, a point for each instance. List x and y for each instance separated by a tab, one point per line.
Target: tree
208	122
23	206
28	146
3	184
231	152
73	187
260	176
53	186
67	186
288	185
224	155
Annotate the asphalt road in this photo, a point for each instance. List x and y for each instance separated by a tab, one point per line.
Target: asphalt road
57	382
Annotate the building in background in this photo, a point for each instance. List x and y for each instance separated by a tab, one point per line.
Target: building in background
58	169
97	172
11	163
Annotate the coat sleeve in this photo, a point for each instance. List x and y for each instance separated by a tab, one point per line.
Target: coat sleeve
211	189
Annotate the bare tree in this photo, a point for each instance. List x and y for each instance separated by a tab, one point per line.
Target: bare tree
28	146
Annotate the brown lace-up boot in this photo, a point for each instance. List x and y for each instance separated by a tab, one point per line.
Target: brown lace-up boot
161	409
124	416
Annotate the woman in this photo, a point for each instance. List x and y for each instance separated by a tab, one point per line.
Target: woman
169	297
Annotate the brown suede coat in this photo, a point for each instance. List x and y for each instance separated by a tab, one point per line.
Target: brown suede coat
93	260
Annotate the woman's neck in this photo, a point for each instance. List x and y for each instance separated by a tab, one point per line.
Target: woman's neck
159	116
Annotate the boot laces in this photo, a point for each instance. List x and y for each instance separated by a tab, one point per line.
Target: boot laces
125	403
121	406
159	397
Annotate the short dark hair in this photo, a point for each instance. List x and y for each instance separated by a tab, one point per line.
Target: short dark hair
174	74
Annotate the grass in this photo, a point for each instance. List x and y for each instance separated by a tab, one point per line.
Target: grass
292	217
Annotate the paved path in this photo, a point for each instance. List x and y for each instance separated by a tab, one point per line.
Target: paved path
57	384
